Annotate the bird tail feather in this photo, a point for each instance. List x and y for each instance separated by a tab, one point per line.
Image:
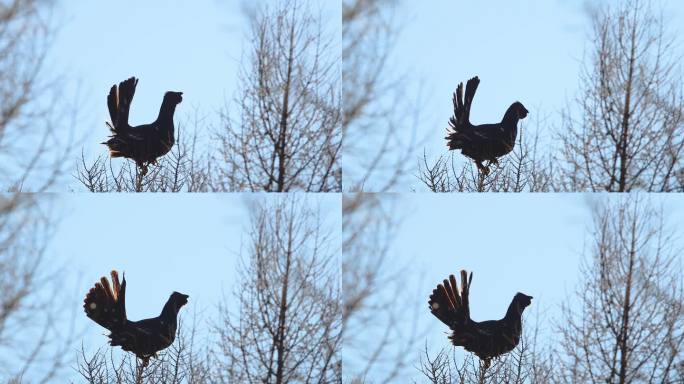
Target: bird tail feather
456	133
448	304
119	104
471	87
105	304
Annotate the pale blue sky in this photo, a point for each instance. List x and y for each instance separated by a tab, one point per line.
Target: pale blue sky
528	51
530	243
193	47
164	243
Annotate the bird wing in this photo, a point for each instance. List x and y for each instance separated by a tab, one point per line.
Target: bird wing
489	327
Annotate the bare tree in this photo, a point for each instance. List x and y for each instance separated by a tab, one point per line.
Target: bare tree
186	168
33	140
626	324
31	346
524	169
625	130
288	133
378	120
372	282
185	361
287	325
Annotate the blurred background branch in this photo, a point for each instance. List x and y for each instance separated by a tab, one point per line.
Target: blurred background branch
30	341
379	120
35	138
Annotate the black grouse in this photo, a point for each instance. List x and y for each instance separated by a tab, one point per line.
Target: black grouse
143	144
106	305
486	141
486	339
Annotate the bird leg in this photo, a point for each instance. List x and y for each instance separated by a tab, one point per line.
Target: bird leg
143	168
482	168
484	365
140	369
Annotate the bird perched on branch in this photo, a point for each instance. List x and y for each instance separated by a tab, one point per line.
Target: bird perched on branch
486	339
486	141
106	305
144	144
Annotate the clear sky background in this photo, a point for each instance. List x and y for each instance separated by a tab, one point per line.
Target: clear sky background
529	51
190	46
530	243
163	243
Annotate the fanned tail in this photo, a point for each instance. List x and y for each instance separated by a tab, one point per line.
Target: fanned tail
471	87
113	106
448	304
460	121
119	104
105	304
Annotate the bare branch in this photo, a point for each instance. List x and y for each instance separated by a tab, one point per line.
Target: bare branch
625	130
629	324
288	136
287	326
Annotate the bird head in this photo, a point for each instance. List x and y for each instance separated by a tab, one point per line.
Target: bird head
173	97
520	110
178	299
523	300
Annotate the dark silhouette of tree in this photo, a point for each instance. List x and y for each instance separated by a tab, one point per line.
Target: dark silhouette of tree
34	140
371	282
31	347
625	129
376	112
287	325
287	135
629	325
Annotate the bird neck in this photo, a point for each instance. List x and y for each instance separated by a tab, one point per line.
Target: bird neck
166	112
514	312
510	118
169	311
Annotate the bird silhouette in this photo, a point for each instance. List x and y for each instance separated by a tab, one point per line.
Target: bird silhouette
486	339
144	144
106	305
486	141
